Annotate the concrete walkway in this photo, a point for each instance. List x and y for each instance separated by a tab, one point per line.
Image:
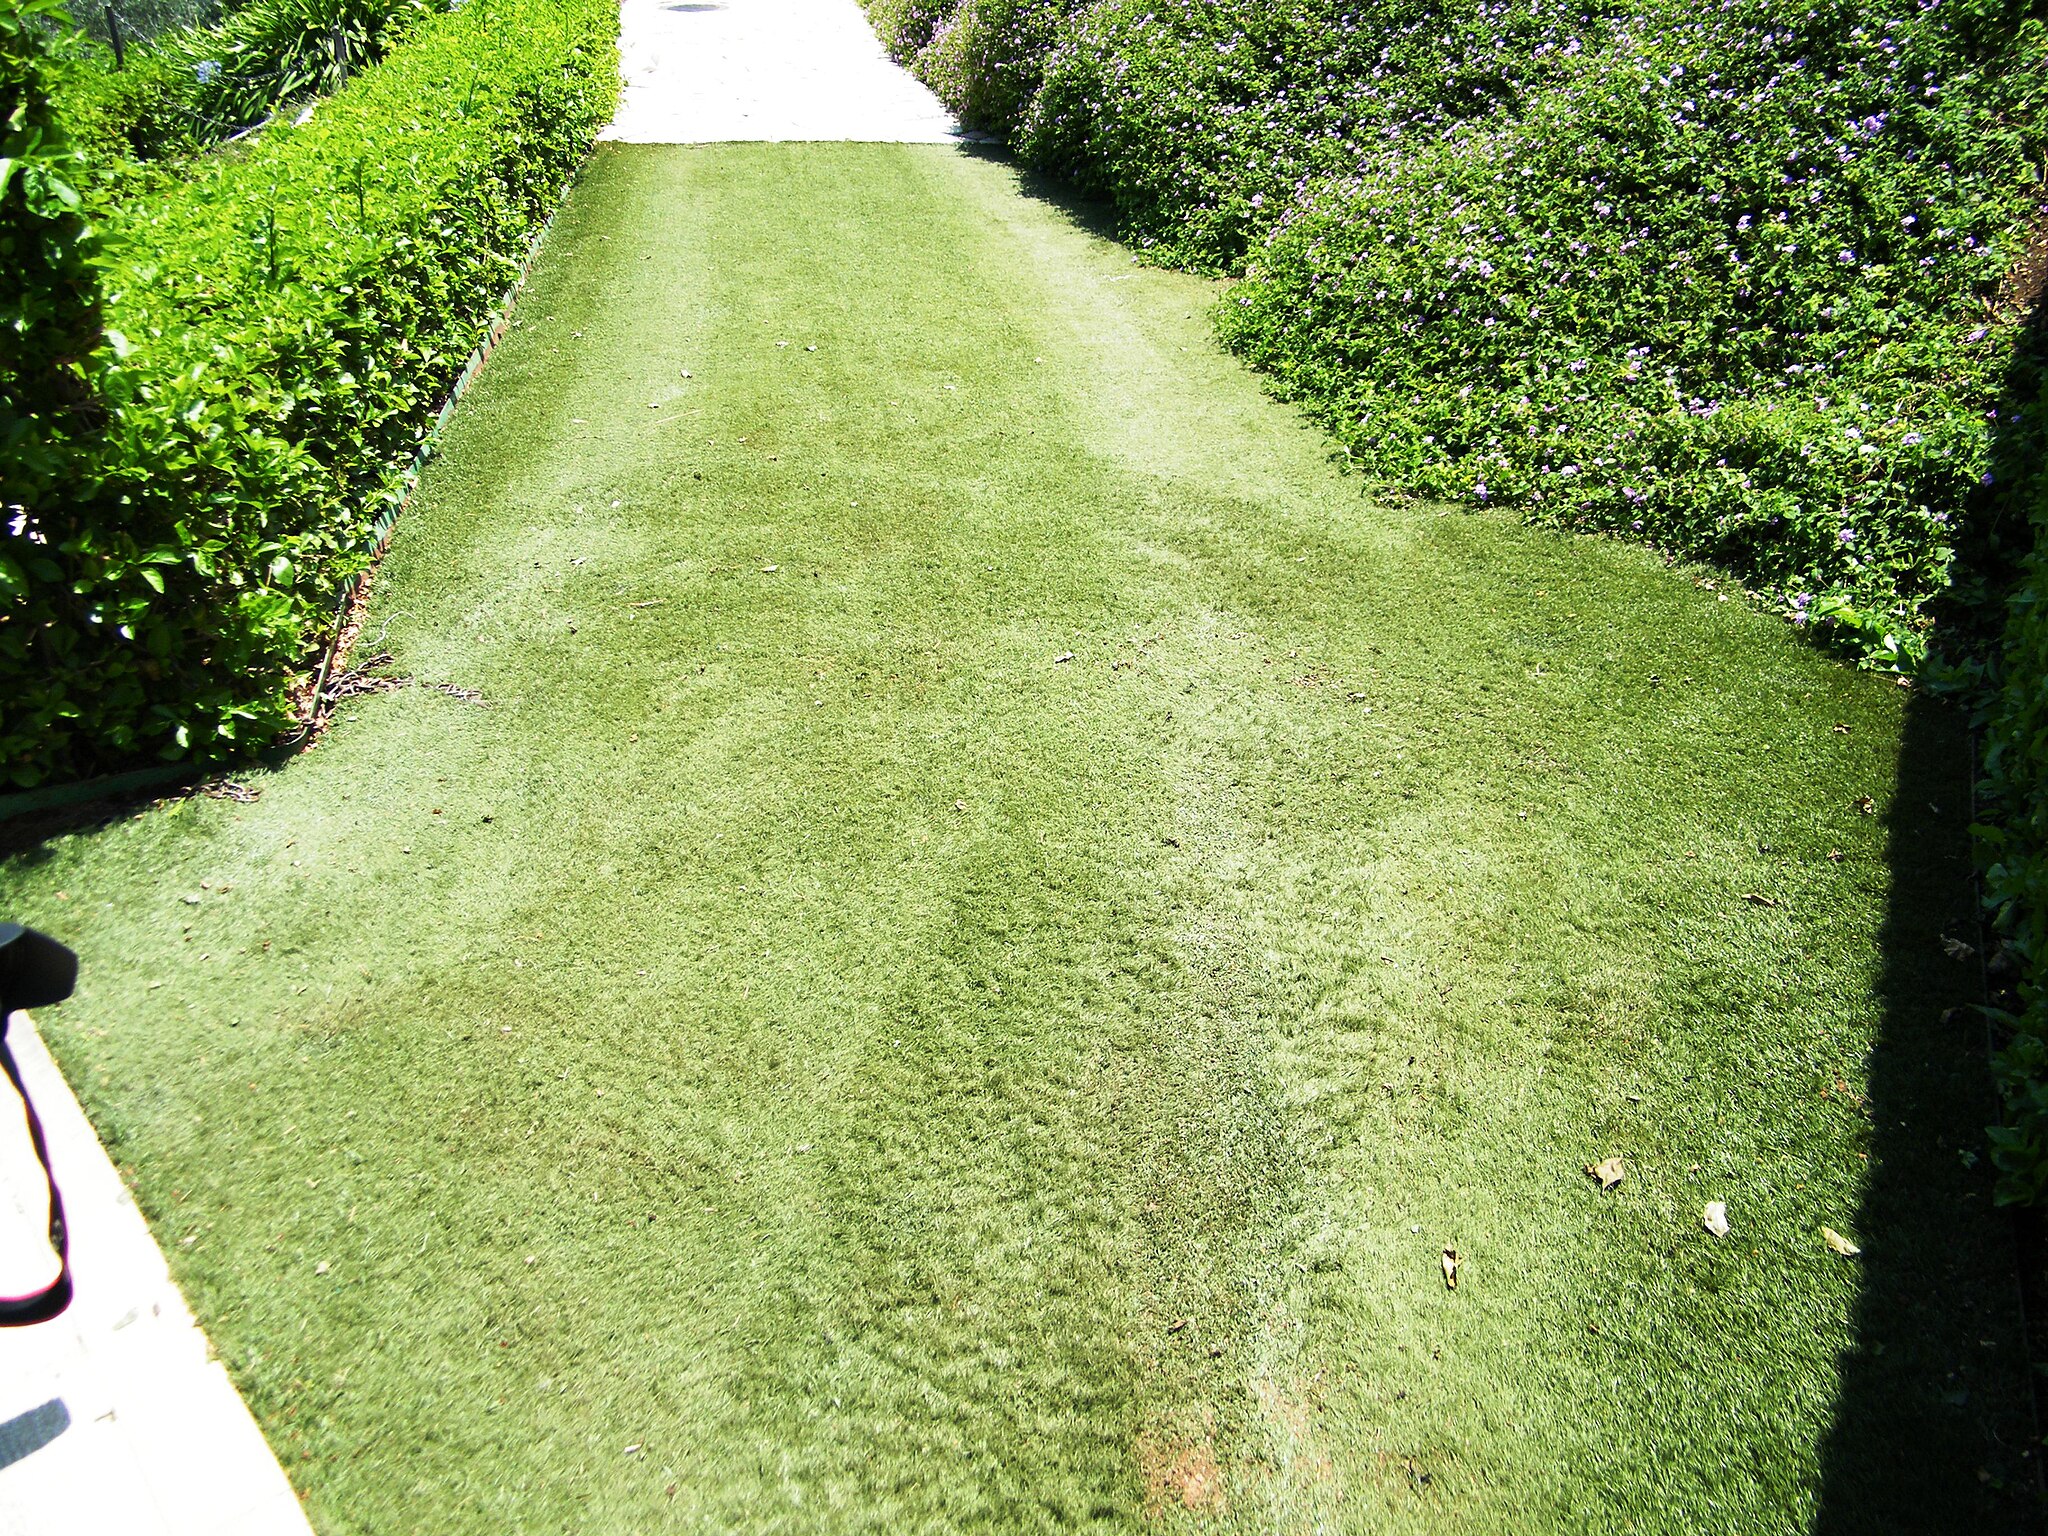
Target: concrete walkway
717	71
114	1417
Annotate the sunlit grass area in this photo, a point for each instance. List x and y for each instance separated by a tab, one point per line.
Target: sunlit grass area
994	921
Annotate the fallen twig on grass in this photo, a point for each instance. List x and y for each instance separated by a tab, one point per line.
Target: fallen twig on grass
364	679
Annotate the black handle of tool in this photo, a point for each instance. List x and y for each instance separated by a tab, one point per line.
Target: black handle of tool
35	971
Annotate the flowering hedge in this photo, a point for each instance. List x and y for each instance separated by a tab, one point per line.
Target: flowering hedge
1719	277
282	324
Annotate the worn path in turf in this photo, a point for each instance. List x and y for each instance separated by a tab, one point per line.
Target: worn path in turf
997	916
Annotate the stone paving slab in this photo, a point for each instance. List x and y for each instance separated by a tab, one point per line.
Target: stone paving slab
724	71
114	1416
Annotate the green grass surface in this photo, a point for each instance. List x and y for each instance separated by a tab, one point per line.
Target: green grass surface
901	1079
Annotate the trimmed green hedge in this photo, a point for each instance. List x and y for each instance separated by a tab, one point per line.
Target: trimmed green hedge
1720	278
282	325
49	298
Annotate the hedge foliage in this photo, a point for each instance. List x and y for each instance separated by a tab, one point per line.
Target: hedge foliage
281	325
194	86
2015	811
1719	277
49	295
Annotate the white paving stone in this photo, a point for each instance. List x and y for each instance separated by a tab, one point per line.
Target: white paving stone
114	1416
724	71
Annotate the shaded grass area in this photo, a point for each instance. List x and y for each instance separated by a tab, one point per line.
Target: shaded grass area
996	919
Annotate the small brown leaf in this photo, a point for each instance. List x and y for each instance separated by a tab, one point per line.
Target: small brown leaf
1452	1263
1867	806
1609	1173
1756	899
1839	1243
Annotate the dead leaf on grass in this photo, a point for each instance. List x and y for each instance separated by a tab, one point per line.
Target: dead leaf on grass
1452	1264
1609	1173
1867	806
1839	1243
1715	1218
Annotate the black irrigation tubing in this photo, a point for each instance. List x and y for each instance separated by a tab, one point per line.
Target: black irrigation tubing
380	532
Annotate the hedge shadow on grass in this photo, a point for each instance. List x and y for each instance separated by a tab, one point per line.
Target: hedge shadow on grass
1934	1414
1096	215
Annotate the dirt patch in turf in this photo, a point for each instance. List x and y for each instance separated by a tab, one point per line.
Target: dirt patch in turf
1180	1474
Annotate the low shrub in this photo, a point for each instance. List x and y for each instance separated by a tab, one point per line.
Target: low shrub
282	324
193	86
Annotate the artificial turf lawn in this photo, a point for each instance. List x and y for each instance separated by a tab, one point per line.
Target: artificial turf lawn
997	918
